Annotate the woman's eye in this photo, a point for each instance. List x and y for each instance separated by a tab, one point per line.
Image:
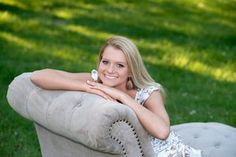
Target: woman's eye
105	62
120	65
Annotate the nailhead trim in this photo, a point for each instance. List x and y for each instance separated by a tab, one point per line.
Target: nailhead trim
120	142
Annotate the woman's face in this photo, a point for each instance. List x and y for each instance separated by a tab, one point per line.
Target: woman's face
113	68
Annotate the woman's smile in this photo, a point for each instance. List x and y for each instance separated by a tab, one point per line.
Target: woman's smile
110	77
113	69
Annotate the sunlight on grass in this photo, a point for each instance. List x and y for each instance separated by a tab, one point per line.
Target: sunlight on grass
221	74
17	40
67	54
226	23
65	14
13	3
63	54
218	10
177	56
7	17
88	32
215	9
87	6
71	55
184	28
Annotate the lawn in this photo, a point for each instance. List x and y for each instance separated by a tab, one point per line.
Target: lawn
187	46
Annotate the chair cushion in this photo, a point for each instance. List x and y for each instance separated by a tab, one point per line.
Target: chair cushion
214	139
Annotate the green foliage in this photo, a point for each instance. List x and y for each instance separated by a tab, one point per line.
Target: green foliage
188	46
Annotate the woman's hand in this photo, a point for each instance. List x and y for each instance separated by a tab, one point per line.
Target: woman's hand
113	93
96	91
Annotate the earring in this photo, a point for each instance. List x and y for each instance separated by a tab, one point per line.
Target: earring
129	84
94	75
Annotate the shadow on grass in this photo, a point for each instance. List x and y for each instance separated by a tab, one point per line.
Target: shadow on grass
190	27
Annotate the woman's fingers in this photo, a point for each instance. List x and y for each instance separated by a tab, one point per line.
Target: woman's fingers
107	97
95	85
91	83
93	88
102	94
111	92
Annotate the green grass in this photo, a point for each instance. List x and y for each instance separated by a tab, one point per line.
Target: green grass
188	46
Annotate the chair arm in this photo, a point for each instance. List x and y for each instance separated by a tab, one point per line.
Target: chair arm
82	117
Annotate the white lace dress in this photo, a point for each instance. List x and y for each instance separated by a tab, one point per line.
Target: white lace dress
173	145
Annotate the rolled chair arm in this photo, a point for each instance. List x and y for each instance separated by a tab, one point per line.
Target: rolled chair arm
82	117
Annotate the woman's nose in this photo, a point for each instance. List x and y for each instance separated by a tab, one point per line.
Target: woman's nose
110	69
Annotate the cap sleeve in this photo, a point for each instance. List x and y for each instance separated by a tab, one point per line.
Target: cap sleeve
143	94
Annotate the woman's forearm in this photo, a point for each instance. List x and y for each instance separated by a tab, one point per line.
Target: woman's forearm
57	80
153	123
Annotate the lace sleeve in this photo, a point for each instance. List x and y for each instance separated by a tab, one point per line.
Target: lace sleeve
144	93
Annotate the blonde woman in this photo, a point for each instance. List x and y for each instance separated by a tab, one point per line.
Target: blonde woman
121	76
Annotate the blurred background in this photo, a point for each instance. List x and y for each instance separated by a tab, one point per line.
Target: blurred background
187	46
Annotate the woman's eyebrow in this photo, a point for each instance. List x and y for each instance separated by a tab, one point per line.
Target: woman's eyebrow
120	62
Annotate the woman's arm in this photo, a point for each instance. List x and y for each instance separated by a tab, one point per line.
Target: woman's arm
56	79
61	80
153	116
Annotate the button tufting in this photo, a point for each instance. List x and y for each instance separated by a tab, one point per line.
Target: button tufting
227	136
78	105
217	145
195	136
119	141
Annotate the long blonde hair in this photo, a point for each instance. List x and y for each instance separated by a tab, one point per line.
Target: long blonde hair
140	76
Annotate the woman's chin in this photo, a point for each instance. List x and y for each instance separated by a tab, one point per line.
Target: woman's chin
108	84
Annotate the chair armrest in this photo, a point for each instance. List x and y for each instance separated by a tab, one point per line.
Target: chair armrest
82	117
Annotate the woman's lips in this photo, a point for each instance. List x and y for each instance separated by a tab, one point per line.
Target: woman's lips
110	77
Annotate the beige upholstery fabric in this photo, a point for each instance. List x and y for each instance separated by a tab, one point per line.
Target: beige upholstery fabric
214	139
73	123
82	117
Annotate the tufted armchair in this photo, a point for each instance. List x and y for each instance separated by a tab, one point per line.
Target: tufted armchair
78	124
